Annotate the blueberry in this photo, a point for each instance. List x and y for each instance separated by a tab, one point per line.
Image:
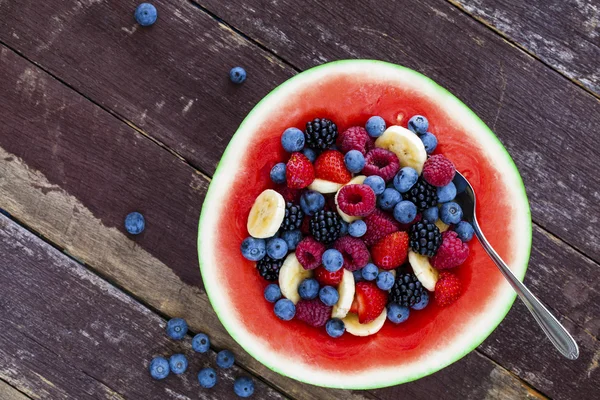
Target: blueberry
243	386
385	280
446	193
355	161
343	228
278	173
310	154
292	140
201	343
277	248
357	228
254	249
237	75
178	363
423	303
292	238
357	275
207	378
369	272
464	230
405	212
177	328
396	313
311	202
159	368
431	214
335	327
405	179
308	289
285	309
145	14
375	126
225	359
376	183
329	295
272	293
135	223
430	142
332	260
388	199
460	184
451	213
418	124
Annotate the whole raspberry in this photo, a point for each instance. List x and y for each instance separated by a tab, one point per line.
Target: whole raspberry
438	170
356	200
379	224
451	253
355	138
326	278
299	171
356	254
381	162
313	312
391	251
309	252
447	289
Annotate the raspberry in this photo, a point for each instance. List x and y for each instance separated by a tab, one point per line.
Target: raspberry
356	200
330	166
381	162
354	251
451	253
355	138
438	170
447	289
309	252
379	224
391	251
313	312
325	277
299	172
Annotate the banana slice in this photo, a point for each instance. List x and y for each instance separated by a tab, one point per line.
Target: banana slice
357	180
355	328
346	291
323	186
266	214
406	145
441	225
291	275
425	273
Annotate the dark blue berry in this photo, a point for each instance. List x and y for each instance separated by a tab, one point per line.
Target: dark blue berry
418	124
285	309
201	343
243	386
237	75
308	289
225	359
207	378
272	293
335	328
278	173
254	249
178	363
177	328
375	126
159	368
292	140
135	223
145	14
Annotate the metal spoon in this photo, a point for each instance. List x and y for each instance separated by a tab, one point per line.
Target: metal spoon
558	335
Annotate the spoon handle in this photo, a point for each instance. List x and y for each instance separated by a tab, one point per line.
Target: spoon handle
558	335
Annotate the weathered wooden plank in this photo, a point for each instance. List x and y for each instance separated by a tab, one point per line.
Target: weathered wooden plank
563	34
67	333
7	392
43	204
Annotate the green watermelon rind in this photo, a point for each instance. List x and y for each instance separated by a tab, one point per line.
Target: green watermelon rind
211	202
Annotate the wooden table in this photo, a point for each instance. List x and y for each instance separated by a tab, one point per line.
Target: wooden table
99	117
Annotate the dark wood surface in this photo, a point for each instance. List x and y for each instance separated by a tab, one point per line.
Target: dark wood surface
100	118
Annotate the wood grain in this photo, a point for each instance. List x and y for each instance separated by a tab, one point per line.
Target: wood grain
66	333
7	392
563	34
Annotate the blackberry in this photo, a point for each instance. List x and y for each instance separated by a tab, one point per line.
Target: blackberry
407	290
320	133
325	226
269	268
422	194
425	238
293	217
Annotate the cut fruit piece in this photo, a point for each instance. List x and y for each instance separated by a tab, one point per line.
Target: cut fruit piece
357	180
443	227
346	292
323	186
355	328
291	275
425	273
266	214
407	146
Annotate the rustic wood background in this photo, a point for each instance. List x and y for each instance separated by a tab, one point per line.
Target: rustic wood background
99	117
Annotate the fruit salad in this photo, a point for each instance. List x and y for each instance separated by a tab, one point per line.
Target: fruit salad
359	227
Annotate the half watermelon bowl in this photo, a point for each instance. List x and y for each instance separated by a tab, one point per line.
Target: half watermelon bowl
349	92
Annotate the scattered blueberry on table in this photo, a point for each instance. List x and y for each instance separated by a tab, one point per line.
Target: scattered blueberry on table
177	328
225	359
146	14
178	363
159	368
135	223
243	386
201	343
207	378
237	75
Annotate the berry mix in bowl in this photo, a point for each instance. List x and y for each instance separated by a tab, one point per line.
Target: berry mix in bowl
334	253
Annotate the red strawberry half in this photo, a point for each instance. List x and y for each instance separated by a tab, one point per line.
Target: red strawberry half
299	172
391	251
369	301
447	289
330	166
325	277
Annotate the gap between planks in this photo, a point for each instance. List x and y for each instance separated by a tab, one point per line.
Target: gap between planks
9	392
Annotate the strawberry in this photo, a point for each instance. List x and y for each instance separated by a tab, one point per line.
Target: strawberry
370	301
330	166
391	251
299	172
447	289
325	277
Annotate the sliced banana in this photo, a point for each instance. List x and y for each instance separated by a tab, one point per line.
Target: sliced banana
406	145
291	275
266	214
323	186
441	225
425	273
355	328
346	292
357	180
